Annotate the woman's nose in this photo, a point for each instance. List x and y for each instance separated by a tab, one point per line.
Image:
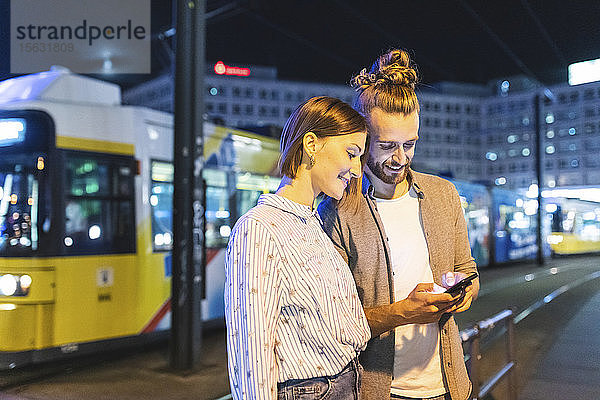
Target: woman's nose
356	169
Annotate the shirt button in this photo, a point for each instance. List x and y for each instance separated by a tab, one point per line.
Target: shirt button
445	331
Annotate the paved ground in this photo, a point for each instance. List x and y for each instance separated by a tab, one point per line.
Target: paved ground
571	368
140	376
565	333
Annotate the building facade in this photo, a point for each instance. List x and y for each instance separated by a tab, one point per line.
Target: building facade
467	131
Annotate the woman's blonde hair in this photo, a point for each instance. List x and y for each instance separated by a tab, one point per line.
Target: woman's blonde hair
324	116
389	85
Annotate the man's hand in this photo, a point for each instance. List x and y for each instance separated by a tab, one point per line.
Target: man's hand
419	307
466	301
470	292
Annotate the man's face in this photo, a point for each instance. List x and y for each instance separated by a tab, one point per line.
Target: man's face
392	145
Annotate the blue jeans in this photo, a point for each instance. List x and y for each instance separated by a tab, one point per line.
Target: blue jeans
442	397
342	386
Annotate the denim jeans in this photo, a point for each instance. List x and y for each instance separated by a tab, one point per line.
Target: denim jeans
342	386
442	397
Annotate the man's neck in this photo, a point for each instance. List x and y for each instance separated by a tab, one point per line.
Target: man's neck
384	190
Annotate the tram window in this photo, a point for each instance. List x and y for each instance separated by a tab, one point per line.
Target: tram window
99	215
218	217
24	207
87	177
161	205
161	201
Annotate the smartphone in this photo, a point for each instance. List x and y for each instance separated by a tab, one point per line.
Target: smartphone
462	284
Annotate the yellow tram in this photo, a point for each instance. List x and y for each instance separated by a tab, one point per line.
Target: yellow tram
86	215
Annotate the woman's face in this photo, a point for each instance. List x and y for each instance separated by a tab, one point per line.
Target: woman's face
337	161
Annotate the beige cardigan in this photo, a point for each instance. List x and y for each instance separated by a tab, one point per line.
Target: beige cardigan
361	240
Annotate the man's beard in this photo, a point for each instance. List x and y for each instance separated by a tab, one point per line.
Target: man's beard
378	171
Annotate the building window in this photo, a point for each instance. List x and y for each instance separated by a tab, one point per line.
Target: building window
574	97
249	92
562	164
262	94
562	98
235	109
222	108
588	94
589	128
249	109
236	92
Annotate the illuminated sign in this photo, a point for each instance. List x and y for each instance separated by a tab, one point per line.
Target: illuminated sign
12	130
584	72
222	69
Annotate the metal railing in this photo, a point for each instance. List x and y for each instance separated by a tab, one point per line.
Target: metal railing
473	336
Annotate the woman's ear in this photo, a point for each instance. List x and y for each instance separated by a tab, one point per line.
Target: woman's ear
309	144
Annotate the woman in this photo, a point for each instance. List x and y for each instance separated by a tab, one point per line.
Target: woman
295	323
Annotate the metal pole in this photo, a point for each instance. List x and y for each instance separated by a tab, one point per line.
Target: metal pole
188	210
474	363
198	274
539	168
510	357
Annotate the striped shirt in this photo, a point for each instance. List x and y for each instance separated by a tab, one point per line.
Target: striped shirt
291	305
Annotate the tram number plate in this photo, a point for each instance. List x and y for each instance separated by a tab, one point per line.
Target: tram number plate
69	348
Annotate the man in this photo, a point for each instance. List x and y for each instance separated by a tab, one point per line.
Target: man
407	232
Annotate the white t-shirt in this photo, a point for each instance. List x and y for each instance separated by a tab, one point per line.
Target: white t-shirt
417	363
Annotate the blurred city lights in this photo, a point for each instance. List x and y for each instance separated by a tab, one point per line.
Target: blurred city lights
94	232
584	72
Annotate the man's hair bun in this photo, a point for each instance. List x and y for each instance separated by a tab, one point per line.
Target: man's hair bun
389	84
393	67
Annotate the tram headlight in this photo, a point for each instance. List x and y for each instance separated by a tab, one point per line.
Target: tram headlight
8	285
25	282
15	285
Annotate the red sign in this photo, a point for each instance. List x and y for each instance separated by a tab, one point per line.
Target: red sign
222	69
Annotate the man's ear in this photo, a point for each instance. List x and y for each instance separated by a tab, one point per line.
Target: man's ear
309	143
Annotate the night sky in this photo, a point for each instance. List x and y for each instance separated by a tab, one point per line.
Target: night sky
330	40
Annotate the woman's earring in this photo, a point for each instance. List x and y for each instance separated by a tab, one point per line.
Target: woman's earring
311	160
